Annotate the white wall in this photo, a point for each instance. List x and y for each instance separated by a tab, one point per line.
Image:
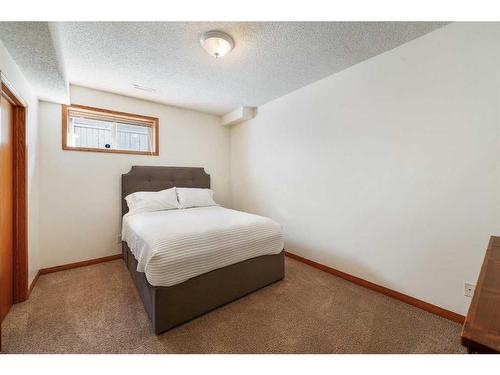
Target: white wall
24	90
388	170
80	191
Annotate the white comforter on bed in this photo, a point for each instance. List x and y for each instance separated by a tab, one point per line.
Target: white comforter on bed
175	245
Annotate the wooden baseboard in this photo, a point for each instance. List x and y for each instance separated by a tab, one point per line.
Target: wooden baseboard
84	263
381	289
69	266
356	280
32	285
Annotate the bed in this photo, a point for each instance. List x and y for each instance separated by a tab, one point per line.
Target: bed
222	254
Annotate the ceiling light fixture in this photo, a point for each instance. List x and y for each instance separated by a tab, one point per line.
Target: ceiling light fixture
216	43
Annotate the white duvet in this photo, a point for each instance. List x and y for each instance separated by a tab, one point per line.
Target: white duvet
175	245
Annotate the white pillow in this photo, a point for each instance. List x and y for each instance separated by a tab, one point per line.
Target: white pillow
194	197
144	201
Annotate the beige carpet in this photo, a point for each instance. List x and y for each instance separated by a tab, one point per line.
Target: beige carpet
96	309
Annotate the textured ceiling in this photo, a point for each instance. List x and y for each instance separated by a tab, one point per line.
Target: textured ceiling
32	47
270	59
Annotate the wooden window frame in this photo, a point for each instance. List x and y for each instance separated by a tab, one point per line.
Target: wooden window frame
20	189
118	115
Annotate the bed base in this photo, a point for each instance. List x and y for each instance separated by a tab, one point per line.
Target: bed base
168	307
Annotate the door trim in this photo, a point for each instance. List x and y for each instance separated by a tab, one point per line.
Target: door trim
20	235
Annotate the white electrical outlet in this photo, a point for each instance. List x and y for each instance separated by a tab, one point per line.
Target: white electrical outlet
469	289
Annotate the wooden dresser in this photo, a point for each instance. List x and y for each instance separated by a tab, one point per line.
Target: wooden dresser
481	331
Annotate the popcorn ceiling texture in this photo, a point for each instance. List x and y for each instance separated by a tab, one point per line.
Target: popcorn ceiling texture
270	59
31	46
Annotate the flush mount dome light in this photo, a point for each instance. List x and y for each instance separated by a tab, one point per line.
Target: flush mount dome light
216	43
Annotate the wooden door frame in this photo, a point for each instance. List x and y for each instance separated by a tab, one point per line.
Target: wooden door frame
20	235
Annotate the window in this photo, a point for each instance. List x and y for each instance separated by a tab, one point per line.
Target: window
101	130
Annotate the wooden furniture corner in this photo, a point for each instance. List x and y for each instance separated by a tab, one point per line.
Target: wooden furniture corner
481	330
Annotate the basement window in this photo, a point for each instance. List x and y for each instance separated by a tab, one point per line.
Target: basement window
101	130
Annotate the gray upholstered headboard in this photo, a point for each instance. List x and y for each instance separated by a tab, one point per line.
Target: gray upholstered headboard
145	178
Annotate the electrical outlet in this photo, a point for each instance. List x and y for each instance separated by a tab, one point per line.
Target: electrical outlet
469	289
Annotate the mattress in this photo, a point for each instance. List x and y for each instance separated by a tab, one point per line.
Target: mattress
175	245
